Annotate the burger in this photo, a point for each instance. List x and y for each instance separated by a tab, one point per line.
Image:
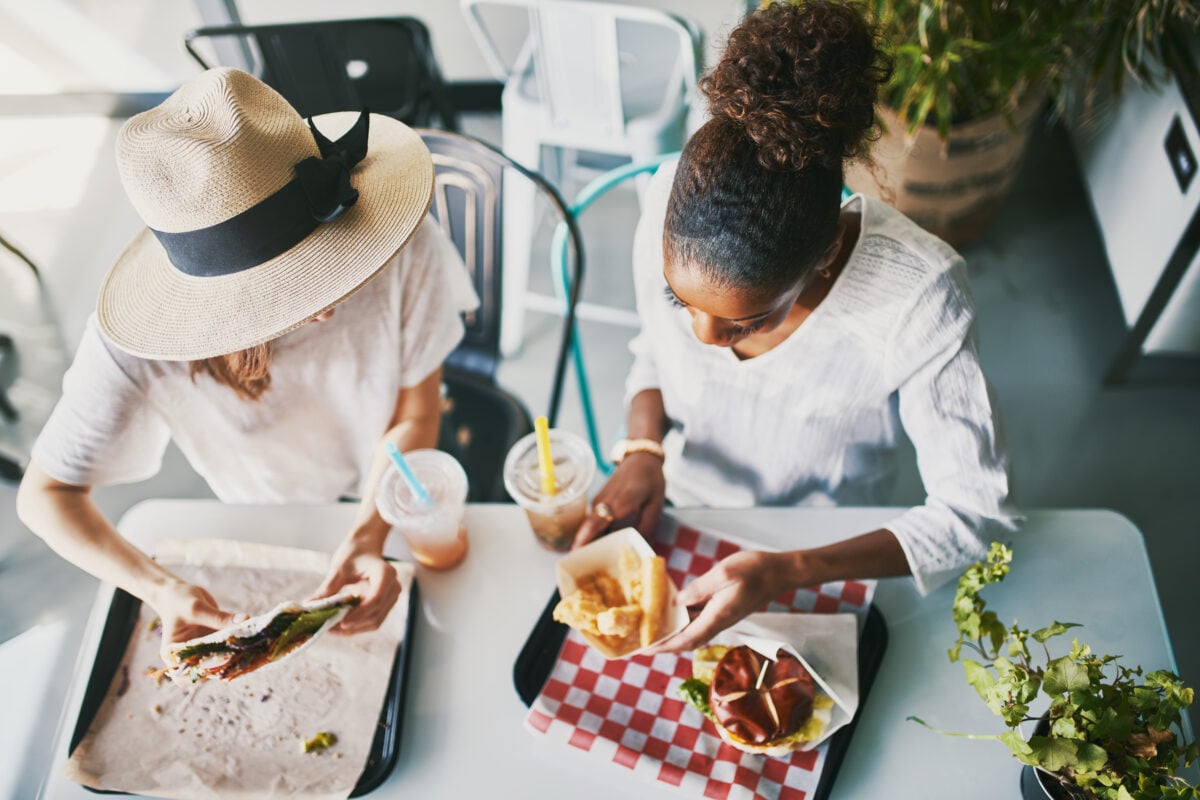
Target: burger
758	704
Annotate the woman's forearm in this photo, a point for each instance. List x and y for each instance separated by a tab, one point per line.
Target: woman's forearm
871	555
67	519
414	426
647	417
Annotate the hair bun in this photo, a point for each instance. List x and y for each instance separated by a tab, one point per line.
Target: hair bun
802	81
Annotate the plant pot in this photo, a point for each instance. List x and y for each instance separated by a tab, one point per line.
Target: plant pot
1036	785
1039	785
954	188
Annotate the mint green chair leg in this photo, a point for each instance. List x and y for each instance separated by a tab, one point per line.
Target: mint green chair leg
558	254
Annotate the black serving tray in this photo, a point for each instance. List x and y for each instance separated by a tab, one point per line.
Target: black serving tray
118	626
540	652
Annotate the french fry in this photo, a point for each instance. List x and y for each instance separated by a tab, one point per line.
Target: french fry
653	599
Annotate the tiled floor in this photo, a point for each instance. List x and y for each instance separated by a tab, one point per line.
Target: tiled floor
1049	321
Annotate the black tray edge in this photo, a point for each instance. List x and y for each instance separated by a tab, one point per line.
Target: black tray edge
385	749
540	651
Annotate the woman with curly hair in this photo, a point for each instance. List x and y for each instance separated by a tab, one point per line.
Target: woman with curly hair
787	336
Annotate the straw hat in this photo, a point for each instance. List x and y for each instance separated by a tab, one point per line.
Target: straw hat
255	222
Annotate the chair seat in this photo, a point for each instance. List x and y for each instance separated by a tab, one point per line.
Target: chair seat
643	123
480	422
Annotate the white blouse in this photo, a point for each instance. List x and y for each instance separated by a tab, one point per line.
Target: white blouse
815	420
311	437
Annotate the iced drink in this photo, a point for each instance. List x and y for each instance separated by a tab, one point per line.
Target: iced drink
434	533
554	518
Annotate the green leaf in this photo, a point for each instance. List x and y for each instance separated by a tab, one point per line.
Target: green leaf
1089	757
1064	728
1064	675
1054	754
979	677
301	630
695	692
1055	629
1019	747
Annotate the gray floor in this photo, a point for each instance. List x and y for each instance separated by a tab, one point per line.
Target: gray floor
1049	321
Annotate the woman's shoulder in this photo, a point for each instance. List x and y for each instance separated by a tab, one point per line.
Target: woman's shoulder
898	258
97	354
900	272
891	236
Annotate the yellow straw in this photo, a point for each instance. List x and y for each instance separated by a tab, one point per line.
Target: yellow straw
545	460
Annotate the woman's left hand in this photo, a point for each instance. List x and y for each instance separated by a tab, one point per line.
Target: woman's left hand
736	586
358	569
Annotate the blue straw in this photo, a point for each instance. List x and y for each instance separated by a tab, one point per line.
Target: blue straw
409	476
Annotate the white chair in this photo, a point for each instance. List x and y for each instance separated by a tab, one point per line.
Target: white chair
589	76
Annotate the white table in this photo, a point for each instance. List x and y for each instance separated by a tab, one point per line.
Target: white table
462	732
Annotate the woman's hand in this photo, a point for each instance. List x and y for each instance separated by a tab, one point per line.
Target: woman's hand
360	569
736	586
188	612
635	494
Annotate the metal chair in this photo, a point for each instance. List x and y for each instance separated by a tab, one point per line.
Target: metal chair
385	64
608	78
32	359
480	420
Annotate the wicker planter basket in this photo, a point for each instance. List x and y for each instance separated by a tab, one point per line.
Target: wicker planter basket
954	188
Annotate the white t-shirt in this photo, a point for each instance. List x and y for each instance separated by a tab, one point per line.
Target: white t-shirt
311	437
815	419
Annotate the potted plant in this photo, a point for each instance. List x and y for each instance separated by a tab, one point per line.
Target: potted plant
1111	732
971	76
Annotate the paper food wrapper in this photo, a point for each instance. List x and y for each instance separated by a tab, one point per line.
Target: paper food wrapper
827	646
605	554
243	738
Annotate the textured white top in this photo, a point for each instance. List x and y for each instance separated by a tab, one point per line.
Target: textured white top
815	420
311	437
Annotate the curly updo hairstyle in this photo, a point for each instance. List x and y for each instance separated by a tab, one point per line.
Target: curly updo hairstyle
757	192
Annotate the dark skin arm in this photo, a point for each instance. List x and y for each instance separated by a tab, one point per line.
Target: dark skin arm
745	582
637	490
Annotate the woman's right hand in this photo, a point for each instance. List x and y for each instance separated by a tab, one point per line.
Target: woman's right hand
635	494
187	612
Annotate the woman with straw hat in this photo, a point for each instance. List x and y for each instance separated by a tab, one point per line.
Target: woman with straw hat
257	223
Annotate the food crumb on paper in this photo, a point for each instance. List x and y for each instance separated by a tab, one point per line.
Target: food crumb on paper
156	674
320	741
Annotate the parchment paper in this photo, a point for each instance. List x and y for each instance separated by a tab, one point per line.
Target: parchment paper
827	646
242	739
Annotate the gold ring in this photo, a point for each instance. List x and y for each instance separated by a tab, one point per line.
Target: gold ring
603	511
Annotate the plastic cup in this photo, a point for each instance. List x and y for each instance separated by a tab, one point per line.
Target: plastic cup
554	518
434	533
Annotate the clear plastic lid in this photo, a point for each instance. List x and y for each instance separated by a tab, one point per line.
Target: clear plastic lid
441	475
574	468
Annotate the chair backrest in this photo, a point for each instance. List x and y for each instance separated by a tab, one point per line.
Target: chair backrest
32	359
576	50
468	189
480	422
384	64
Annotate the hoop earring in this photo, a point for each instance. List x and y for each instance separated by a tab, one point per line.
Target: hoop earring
825	273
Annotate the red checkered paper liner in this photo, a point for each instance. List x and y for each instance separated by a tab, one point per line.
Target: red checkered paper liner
627	711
